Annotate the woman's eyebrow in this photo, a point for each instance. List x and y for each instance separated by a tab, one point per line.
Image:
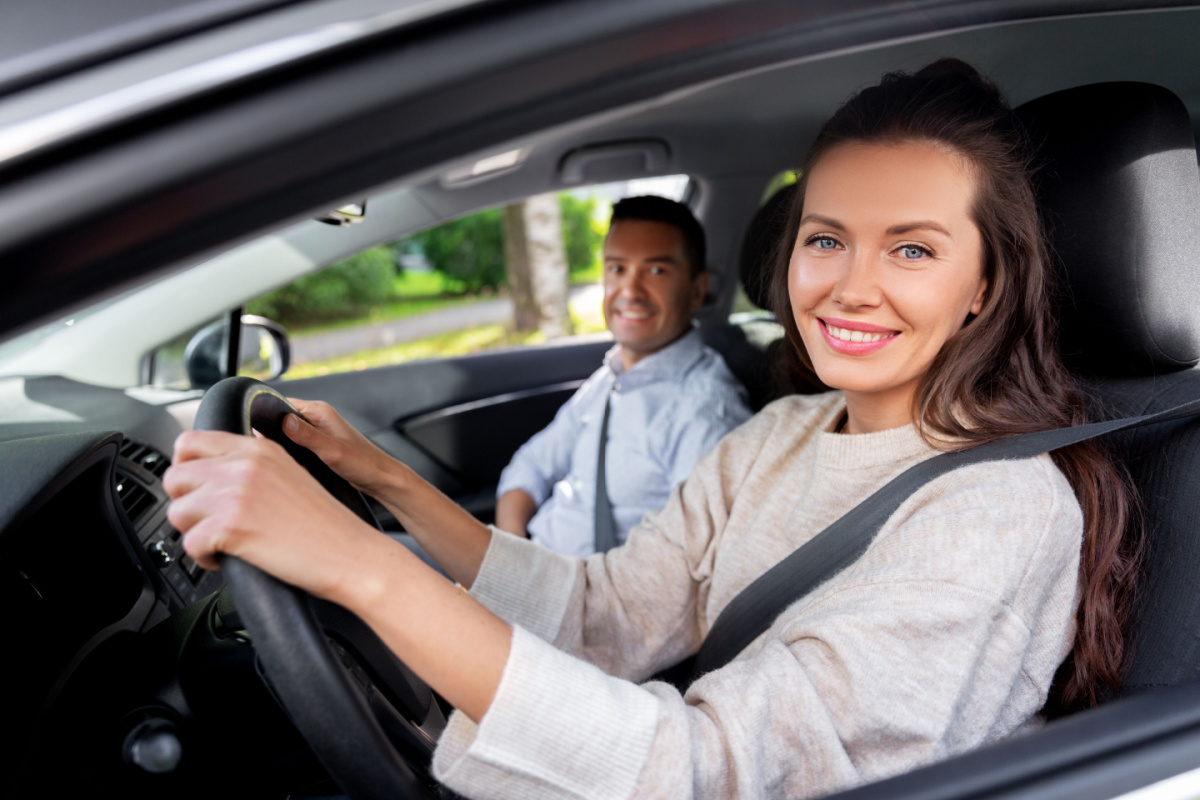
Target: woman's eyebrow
908	227
826	221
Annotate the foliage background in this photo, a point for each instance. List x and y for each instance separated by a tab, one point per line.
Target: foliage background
466	256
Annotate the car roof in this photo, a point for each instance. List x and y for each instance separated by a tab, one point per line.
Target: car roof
48	39
735	90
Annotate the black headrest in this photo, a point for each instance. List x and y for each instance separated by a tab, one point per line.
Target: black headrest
766	230
1119	189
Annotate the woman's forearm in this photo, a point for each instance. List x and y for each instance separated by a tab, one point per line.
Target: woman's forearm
443	634
455	539
288	526
514	509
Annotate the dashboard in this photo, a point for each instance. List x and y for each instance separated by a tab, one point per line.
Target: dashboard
115	635
119	642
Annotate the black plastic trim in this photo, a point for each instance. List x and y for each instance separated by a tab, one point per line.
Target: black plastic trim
1101	753
475	405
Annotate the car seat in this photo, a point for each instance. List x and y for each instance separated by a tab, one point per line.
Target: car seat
749	342
1119	189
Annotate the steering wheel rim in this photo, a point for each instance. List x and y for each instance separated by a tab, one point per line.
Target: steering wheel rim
306	674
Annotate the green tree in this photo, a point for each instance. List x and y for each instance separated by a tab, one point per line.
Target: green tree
348	287
470	249
582	234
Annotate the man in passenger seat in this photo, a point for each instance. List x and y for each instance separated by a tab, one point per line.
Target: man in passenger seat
640	423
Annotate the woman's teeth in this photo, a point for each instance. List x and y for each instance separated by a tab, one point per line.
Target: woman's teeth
847	335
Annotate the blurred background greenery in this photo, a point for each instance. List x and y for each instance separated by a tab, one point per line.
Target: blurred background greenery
451	264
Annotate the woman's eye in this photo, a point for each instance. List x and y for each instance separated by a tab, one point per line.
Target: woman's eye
912	252
823	242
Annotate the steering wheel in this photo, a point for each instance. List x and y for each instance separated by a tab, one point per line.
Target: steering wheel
333	701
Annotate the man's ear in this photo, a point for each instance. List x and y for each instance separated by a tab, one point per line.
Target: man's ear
700	285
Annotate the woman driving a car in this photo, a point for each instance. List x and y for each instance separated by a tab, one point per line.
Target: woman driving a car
914	282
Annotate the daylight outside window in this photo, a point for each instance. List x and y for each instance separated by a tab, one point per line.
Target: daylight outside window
453	289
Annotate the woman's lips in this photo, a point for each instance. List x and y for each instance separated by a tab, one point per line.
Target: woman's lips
841	338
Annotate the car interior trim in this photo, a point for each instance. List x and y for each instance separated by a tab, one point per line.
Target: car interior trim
421	419
359	155
54	129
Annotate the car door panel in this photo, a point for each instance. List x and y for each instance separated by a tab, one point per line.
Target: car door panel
457	421
476	440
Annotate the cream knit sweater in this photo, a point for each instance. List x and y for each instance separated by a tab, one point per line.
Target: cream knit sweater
942	637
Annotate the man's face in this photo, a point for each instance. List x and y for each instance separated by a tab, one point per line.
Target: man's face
649	291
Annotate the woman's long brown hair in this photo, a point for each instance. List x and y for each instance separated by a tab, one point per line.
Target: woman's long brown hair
1001	374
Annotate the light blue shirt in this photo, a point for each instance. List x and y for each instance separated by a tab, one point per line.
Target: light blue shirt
666	412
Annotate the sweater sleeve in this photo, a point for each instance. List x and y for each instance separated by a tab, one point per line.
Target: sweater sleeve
942	637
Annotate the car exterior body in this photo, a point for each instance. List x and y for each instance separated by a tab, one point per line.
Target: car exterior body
162	168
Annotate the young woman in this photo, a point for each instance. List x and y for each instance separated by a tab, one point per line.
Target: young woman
914	283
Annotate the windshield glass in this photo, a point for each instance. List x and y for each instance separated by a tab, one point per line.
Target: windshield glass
12	349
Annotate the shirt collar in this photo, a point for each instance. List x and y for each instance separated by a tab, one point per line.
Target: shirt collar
665	364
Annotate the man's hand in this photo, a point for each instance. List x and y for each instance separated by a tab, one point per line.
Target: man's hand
514	509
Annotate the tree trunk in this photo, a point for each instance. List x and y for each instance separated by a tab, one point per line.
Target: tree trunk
516	259
548	264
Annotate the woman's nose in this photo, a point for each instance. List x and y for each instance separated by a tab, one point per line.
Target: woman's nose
858	285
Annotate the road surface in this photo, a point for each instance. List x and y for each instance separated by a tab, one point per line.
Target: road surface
331	344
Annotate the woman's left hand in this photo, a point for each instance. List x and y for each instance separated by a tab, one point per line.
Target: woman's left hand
246	497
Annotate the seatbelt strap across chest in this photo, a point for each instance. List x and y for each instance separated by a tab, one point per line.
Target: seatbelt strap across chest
603	531
841	544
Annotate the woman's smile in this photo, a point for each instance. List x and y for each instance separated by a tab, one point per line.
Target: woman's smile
855	338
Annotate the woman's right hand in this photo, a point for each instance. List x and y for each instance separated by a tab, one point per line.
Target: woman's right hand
339	444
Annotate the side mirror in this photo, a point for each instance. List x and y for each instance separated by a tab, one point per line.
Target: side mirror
264	352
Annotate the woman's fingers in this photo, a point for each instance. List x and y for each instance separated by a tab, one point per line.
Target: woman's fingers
204	542
246	497
336	442
300	431
205	444
328	448
320	414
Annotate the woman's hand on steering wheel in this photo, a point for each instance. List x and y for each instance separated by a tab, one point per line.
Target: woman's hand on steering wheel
245	496
339	444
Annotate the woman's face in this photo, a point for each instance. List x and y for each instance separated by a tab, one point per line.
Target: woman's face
886	267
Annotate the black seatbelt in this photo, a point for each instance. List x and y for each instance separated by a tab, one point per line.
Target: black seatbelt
829	552
605	536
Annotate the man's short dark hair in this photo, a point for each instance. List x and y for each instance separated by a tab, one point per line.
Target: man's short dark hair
650	208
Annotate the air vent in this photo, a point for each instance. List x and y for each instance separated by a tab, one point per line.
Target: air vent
135	499
145	457
133	485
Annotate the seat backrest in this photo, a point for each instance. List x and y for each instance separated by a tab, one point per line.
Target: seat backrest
750	345
1119	189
